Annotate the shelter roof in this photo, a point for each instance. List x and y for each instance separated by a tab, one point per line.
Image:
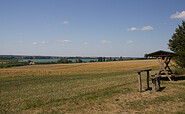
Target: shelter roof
162	53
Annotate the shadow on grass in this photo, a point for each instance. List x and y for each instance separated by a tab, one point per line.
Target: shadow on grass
161	88
182	77
150	89
164	79
176	78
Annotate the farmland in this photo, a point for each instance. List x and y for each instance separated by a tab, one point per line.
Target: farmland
107	87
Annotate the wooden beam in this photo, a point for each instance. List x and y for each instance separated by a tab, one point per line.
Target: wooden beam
148	80
162	67
139	81
167	62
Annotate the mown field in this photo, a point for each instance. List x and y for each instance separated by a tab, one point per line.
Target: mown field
108	87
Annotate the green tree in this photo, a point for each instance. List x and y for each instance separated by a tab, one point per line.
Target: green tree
91	61
100	59
79	61
110	59
64	61
114	59
103	59
121	58
177	44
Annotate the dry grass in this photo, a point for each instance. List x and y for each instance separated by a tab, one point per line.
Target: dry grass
83	68
109	87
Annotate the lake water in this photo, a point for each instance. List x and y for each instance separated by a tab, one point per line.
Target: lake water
54	60
73	60
84	60
39	60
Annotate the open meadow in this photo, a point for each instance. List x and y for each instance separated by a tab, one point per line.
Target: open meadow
102	87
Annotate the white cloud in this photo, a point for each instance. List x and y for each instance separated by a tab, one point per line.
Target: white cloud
65	22
86	43
132	29
34	43
143	28
106	42
129	42
44	42
64	41
147	28
178	15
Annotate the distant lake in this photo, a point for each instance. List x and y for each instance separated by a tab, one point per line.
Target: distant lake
73	60
84	60
53	60
39	60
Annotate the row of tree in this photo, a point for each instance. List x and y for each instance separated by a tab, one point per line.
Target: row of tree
103	59
99	59
69	61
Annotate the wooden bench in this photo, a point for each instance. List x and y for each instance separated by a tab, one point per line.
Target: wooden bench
155	82
171	75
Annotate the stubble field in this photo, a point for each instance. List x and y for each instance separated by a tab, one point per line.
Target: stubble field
107	87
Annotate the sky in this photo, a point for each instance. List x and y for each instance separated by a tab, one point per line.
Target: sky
129	28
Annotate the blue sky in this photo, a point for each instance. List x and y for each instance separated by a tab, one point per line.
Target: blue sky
88	27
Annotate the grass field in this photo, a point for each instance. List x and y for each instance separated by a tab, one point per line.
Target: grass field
108	87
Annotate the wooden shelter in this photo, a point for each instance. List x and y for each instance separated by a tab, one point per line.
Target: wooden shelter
164	58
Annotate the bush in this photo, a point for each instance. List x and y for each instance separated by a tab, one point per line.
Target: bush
179	71
46	63
64	61
79	61
91	61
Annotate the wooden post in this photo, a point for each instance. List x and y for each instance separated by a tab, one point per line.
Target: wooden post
154	84
147	80
158	83
139	81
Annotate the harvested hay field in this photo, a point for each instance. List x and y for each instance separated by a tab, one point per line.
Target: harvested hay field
77	68
107	87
